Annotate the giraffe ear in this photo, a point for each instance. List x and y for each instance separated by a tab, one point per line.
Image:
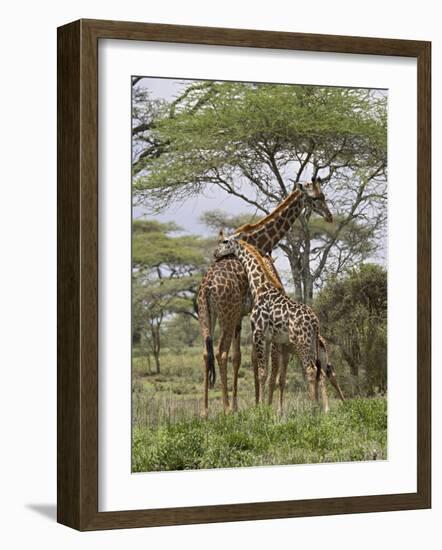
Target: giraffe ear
221	235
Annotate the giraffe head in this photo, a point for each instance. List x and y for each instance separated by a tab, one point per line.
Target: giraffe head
227	245
266	233
315	198
221	249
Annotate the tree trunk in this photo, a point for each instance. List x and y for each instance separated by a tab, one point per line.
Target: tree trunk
308	287
296	278
305	262
157	363
156	346
299	260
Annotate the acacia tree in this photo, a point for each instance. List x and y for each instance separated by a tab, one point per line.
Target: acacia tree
256	141
148	144
166	272
146	111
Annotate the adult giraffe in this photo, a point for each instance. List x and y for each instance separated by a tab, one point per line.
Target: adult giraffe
224	291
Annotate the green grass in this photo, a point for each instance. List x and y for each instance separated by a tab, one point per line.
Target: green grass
353	430
169	433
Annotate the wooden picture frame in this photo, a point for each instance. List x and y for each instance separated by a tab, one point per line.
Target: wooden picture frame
77	459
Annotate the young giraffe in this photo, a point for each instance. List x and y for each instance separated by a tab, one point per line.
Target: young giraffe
224	292
280	356
275	318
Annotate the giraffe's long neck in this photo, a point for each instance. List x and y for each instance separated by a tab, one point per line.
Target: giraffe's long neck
267	233
258	272
271	266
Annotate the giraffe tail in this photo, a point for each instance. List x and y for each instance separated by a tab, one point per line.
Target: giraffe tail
210	361
330	370
318	369
318	360
323	347
206	325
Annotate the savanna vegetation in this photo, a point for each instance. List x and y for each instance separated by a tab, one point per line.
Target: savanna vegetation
253	142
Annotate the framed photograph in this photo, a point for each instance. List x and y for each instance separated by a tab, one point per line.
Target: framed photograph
243	275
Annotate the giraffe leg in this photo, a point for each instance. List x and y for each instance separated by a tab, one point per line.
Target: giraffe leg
222	357
316	383
309	372
322	359
254	360
320	380
329	369
262	352
276	359
236	363
282	376
331	375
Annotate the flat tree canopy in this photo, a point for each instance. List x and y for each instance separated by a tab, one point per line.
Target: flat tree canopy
255	141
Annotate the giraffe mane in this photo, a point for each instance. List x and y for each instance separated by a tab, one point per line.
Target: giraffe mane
271	266
269	275
249	227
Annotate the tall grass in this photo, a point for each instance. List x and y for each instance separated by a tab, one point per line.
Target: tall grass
169	433
354	430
